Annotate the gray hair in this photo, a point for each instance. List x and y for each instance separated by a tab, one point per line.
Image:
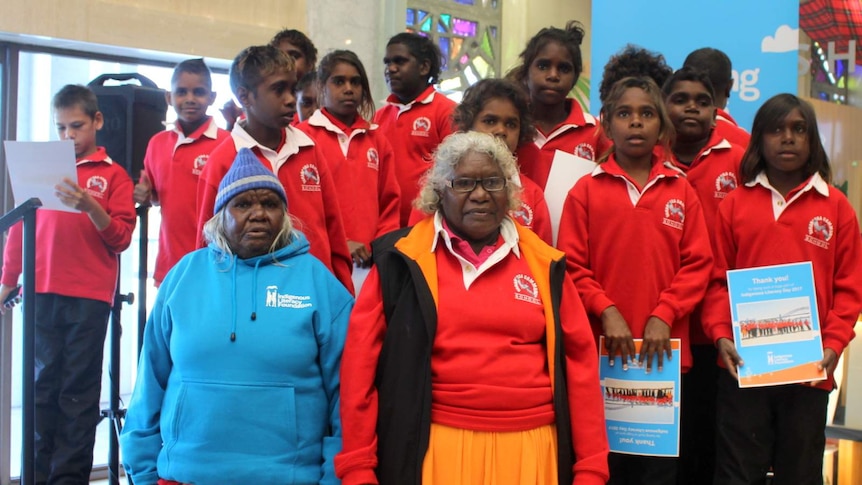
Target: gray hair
215	233
451	152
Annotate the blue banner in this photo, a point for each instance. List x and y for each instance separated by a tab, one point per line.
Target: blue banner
761	38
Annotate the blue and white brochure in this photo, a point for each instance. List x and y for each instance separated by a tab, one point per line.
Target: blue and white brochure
776	327
641	410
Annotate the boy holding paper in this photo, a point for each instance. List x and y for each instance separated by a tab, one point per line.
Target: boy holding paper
76	275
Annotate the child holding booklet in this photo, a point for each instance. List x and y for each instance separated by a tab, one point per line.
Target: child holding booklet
637	249
771	220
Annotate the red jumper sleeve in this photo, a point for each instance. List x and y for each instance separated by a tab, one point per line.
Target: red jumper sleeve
389	192
586	406
689	284
837	327
715	316
357	460
573	239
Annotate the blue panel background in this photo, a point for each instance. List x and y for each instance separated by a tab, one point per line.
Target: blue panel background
677	27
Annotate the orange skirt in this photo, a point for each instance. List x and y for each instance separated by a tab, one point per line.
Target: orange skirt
459	456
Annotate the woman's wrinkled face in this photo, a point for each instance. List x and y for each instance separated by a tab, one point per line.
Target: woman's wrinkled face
254	219
475	215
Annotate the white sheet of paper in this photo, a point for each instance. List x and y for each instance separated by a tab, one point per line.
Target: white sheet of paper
359	275
35	167
566	169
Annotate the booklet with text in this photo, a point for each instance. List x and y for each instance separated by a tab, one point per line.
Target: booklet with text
641	410
776	328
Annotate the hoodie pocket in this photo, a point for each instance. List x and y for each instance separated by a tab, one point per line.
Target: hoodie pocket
229	421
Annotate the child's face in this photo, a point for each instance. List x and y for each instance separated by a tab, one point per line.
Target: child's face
405	75
500	118
342	92
691	110
306	101
635	124
73	123
272	103
190	97
786	147
551	75
300	61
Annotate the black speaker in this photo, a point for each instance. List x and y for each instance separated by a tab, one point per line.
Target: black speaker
133	114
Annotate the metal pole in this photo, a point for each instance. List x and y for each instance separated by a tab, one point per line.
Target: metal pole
28	336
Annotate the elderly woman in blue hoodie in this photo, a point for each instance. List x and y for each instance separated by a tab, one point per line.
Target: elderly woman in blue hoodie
238	381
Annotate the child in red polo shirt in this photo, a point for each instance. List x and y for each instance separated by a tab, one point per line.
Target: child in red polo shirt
550	66
263	80
784	211
76	276
717	66
175	159
416	118
358	154
711	164
637	249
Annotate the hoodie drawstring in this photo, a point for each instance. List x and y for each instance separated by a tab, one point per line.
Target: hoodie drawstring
253	288
233	302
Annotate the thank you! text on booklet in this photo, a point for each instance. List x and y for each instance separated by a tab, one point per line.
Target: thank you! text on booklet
776	328
641	409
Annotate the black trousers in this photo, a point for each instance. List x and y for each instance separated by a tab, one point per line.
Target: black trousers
642	470
782	427
697	418
70	337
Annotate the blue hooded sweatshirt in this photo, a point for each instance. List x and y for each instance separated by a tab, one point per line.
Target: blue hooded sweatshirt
238	380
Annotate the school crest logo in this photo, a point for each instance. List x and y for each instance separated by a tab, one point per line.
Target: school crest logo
526	289
421	127
523	214
674	214
97	186
310	178
724	183
585	151
820	231
199	163
274	299
373	159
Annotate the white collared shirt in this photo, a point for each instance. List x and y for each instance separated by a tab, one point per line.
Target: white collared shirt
468	270
294	139
816	182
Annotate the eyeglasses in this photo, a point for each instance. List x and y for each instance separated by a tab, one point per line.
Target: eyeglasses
464	185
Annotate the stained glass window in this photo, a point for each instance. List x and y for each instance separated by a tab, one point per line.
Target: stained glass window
468	34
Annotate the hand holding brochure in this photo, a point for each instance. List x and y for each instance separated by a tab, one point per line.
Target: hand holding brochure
642	410
776	327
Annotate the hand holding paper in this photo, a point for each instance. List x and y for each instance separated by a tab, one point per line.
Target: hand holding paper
619	337
727	353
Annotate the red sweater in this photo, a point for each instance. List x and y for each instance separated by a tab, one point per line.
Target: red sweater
356	463
645	251
414	130
73	258
713	173
311	193
758	227
173	163
362	166
727	127
578	134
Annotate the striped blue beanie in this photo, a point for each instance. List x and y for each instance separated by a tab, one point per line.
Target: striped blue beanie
246	173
